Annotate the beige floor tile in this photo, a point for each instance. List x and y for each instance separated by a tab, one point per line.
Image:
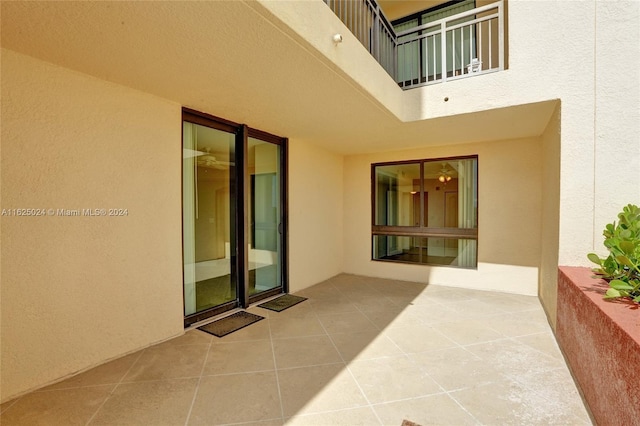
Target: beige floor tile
513	358
468	332
256	310
296	326
164	402
191	337
456	368
472	309
399	339
236	398
398	317
56	407
305	351
519	324
392	378
7	404
544	342
512	303
320	291
418	338
332	306
273	422
511	403
445	295
429	410
403	300
320	388
109	373
168	362
239	357
364	345
346	279
364	416
431	313
531	301
346	322
557	386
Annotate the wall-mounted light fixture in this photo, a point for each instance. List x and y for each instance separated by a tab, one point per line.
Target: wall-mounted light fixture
337	38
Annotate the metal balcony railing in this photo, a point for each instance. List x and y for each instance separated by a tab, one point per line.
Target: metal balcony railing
458	46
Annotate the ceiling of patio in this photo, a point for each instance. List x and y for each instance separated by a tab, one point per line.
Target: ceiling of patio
229	59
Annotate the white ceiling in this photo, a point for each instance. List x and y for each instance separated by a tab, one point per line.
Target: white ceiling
227	59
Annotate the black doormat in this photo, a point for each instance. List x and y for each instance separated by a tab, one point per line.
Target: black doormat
283	302
226	325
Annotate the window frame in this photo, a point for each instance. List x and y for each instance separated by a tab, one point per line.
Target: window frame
422	231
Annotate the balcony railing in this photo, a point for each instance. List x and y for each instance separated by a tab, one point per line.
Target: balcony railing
458	46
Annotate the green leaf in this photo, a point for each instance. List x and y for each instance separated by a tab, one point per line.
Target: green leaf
624	260
637	299
627	247
620	285
612	293
594	258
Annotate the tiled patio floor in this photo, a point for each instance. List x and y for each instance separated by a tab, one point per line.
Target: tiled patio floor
359	351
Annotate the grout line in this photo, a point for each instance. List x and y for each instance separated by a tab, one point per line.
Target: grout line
275	367
13	402
195	393
459	404
346	366
116	386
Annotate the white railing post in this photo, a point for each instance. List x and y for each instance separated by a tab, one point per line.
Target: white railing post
376	33
443	43
501	35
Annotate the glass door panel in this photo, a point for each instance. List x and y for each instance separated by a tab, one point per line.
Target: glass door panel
208	218
264	240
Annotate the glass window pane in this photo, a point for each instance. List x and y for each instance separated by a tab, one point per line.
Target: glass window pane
398	248
449	252
452	191
427	251
397	195
264	239
208	194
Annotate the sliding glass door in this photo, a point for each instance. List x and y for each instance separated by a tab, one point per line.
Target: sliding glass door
265	238
234	222
209	193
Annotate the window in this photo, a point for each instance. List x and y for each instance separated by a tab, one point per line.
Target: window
426	211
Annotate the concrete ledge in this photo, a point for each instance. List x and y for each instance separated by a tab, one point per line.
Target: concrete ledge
601	342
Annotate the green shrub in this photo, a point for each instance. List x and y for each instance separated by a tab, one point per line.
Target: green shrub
622	267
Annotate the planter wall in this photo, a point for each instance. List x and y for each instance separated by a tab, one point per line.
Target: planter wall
601	342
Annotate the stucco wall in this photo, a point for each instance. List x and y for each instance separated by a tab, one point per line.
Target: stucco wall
617	112
548	288
509	192
77	291
581	54
315	214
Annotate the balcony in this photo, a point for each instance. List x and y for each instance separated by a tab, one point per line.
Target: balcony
461	45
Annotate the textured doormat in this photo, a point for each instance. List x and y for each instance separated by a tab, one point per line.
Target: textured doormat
283	302
227	325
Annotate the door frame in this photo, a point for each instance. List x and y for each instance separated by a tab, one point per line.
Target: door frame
240	210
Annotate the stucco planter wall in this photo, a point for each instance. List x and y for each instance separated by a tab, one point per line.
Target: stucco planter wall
601	341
